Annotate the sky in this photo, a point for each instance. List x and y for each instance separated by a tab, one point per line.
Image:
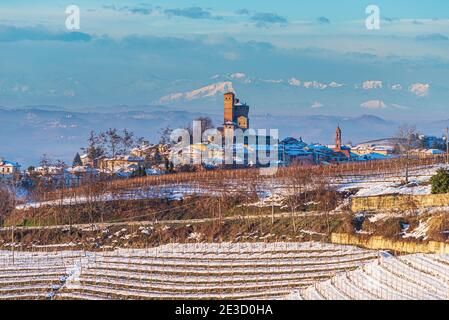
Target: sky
141	52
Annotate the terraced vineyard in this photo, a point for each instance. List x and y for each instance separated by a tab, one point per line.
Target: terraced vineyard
177	271
33	275
412	277
224	271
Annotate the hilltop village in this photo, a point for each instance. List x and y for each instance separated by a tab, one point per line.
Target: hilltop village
144	158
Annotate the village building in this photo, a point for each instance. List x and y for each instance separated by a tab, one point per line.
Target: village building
296	151
384	147
423	153
206	153
82	171
125	163
366	150
152	154
87	161
147	150
8	168
432	142
50	170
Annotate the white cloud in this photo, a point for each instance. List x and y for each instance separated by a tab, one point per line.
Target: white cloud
372	84
420	89
21	88
69	93
396	87
272	81
232	56
398	106
294	82
334	84
314	85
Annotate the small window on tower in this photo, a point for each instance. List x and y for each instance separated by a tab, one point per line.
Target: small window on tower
243	122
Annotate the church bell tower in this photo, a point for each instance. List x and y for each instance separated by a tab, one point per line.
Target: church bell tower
338	139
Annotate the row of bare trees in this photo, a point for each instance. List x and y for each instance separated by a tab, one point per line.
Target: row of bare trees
408	138
111	143
222	180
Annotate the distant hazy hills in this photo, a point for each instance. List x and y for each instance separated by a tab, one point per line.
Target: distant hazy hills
298	107
30	132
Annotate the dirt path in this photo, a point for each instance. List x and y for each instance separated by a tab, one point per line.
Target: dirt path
95	226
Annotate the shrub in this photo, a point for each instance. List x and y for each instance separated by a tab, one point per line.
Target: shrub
440	182
6	203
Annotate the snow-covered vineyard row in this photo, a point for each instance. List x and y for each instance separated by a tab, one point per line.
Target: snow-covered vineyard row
412	277
176	271
224	271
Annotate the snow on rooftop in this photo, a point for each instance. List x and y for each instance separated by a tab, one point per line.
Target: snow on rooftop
8	163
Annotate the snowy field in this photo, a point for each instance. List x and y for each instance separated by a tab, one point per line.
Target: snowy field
176	271
171	192
384	184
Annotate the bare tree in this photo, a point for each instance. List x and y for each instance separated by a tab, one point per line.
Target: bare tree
206	124
127	140
95	145
113	141
165	135
45	162
6	202
408	138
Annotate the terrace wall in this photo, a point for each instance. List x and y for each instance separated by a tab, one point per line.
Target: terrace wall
382	243
399	202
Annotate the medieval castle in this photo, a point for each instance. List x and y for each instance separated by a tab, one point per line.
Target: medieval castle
235	114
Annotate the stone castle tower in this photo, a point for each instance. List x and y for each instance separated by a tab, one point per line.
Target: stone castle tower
235	113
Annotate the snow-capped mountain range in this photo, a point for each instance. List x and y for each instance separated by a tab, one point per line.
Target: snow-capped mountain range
208	91
218	88
294	95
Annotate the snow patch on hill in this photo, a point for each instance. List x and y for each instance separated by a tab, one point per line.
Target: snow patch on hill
374	104
238	75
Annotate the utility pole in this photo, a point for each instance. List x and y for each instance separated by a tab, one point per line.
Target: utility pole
447	145
13	245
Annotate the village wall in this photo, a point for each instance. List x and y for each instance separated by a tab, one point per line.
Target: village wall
382	243
399	202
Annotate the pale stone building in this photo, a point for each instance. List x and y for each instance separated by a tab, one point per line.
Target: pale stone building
8	167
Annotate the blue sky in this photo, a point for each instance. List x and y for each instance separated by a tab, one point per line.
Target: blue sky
137	52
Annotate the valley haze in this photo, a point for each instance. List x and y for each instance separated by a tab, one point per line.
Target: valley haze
59	133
